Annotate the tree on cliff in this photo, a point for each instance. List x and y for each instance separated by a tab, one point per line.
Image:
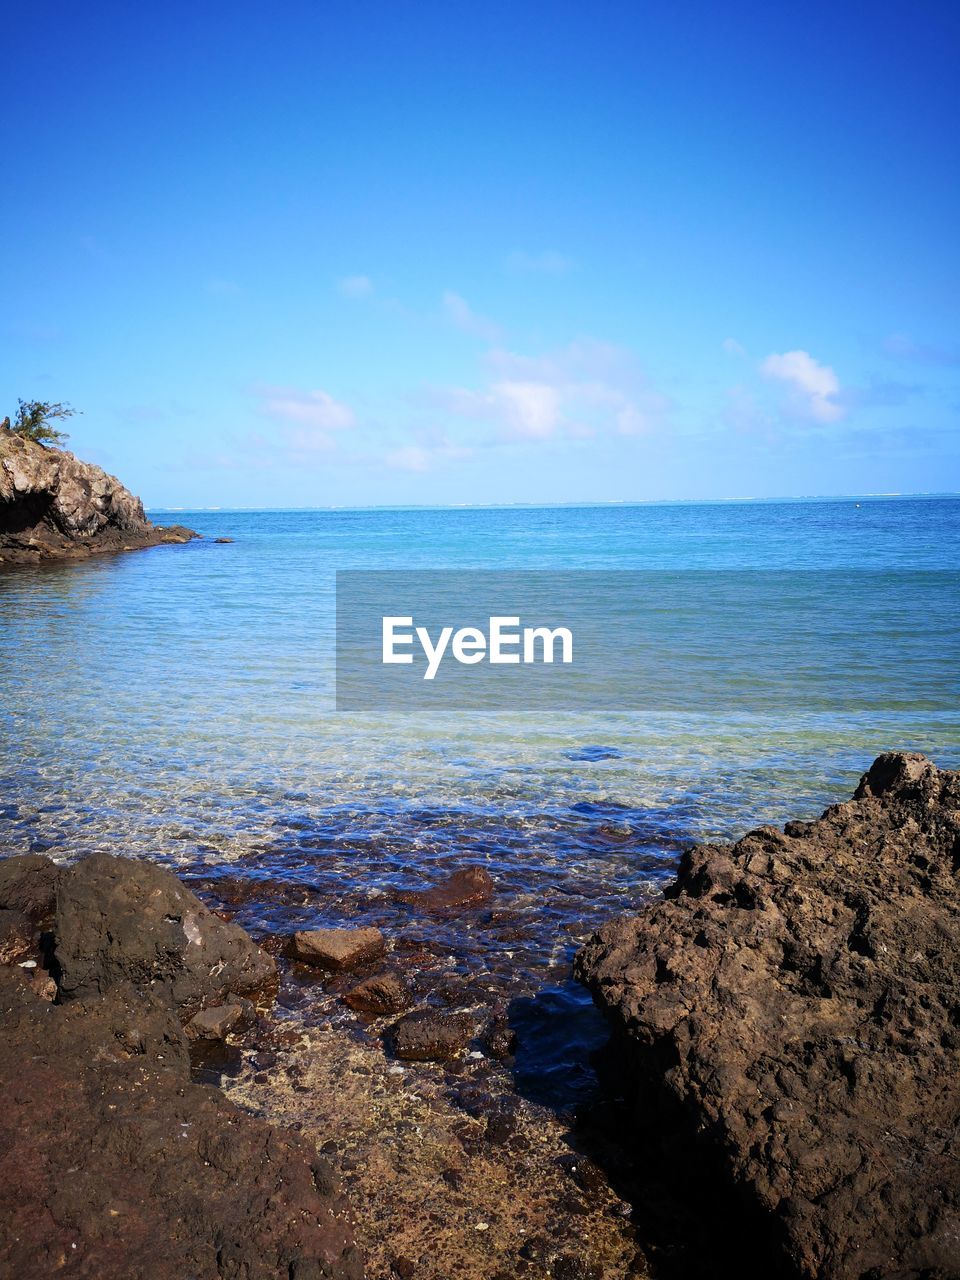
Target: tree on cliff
35	419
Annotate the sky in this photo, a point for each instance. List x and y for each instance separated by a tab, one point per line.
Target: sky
314	254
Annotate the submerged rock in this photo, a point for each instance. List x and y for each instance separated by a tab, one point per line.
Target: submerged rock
124	920
383	993
793	1009
337	949
471	887
429	1036
53	505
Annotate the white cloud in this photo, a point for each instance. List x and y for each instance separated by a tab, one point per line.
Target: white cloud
355	286
733	348
813	386
317	409
309	420
547	263
532	409
459	312
582	390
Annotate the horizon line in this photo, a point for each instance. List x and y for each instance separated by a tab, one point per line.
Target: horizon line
574	503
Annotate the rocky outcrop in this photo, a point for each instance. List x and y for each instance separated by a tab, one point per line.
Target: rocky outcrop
52	505
792	1008
113	1165
125	921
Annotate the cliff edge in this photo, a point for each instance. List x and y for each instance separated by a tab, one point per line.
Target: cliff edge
52	506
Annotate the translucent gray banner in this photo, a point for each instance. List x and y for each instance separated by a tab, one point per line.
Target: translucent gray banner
716	641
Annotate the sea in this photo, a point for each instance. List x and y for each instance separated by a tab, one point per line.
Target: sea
178	704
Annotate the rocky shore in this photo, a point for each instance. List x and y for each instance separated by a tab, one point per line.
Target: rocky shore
53	506
783	1093
789	1017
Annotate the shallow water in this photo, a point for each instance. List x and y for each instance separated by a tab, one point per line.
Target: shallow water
177	703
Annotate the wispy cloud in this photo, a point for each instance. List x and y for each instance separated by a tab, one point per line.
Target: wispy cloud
424	455
902	347
548	262
310	420
580	391
732	347
813	387
459	313
355	287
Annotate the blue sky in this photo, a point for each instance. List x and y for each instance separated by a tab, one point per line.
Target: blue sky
312	254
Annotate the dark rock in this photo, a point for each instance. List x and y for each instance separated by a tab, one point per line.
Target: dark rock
383	993
405	1268
471	887
428	1036
28	883
499	1039
18	937
797	996
123	920
337	949
113	1166
53	505
222	541
569	1267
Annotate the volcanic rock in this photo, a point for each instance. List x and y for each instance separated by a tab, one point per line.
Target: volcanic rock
428	1036
793	1008
28	883
53	505
17	936
383	993
121	920
337	949
217	1021
113	1166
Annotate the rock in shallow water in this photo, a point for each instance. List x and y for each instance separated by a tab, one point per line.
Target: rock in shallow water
798	994
471	887
383	993
428	1036
337	949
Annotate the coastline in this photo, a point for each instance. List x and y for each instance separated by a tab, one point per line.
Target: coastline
448	1169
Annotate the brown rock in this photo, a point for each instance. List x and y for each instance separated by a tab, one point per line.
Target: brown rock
113	1166
471	887
54	505
123	920
337	949
216	1022
798	995
428	1036
18	937
28	883
383	993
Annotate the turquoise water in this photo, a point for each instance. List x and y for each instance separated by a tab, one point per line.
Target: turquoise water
177	703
